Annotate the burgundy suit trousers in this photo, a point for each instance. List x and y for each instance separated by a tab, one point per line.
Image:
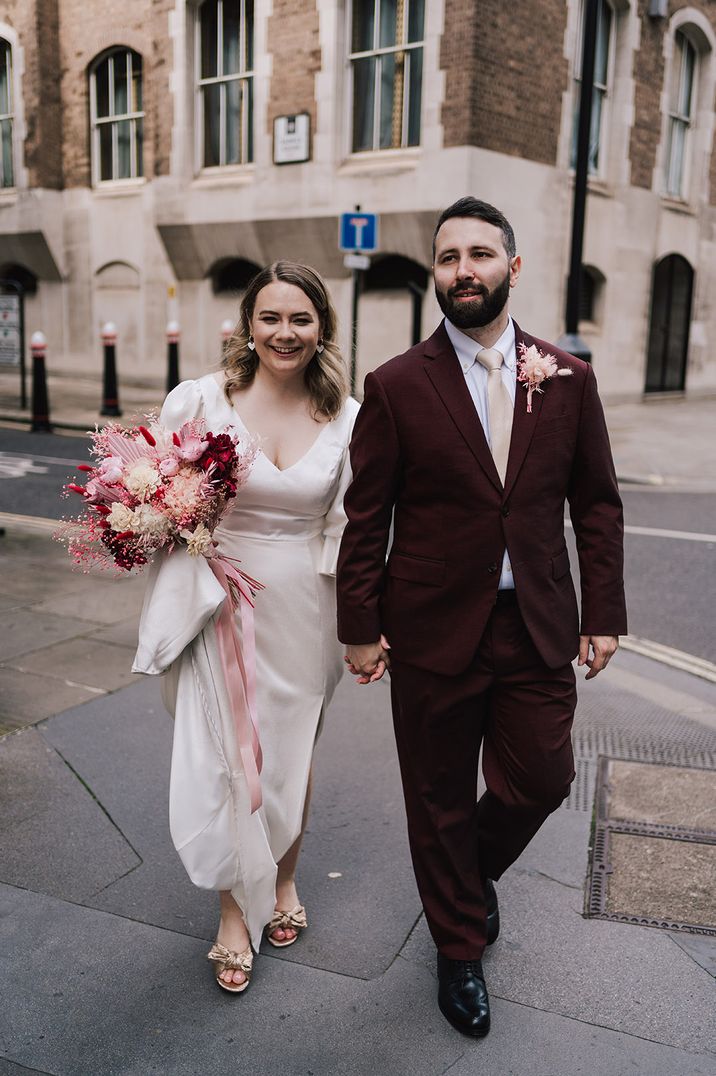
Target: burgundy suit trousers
521	711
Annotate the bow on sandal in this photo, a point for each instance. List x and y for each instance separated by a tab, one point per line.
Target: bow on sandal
229	960
294	920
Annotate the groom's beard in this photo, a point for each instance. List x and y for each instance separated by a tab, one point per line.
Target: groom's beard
484	308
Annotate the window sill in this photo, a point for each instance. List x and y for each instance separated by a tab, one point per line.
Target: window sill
119	188
227	176
381	162
595	185
677	205
8	195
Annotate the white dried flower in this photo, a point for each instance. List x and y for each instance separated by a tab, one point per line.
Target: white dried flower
199	541
143	480
121	518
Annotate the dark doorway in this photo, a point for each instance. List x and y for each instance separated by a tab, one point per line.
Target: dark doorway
391	272
671	293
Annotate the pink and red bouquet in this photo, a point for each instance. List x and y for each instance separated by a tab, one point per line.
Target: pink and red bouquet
151	488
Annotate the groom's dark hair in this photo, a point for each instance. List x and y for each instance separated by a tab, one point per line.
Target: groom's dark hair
473	207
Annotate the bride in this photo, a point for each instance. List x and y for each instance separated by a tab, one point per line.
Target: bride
283	382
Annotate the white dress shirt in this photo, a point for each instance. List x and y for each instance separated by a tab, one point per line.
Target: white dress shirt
476	376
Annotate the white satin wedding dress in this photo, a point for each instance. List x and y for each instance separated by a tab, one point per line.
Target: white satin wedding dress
285	528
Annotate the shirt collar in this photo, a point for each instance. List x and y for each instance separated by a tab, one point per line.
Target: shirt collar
467	349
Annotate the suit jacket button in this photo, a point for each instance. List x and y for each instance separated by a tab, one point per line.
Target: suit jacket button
505	511
492	569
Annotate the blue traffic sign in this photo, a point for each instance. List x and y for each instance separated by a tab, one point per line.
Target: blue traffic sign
358	232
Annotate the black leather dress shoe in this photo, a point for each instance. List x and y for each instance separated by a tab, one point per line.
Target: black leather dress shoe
462	995
493	912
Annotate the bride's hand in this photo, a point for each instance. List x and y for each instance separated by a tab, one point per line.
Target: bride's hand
368	661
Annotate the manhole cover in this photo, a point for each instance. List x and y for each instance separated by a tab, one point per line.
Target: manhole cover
653	858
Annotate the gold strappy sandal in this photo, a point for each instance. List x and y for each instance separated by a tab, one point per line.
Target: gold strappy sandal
294	920
225	959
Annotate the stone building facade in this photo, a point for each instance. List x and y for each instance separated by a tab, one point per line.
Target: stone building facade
139	179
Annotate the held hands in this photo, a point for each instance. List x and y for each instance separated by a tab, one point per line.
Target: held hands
603	648
368	661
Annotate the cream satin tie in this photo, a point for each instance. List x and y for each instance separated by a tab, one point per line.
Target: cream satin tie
500	408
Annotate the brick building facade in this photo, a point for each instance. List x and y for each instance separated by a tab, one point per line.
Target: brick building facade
140	182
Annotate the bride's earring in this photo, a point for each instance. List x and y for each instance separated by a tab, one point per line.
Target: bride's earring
251	344
319	347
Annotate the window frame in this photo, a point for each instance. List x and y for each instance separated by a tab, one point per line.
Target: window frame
8	117
685	122
248	99
603	89
136	158
376	52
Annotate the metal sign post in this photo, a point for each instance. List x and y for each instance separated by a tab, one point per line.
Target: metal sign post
12	331
358	236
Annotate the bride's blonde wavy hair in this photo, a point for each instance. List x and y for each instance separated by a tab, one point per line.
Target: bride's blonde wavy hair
325	375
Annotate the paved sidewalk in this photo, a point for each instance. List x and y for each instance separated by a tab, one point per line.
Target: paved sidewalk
103	939
665	441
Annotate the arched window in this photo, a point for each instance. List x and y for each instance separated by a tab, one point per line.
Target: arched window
232	275
672	290
117	116
225	81
681	112
7	171
386	58
603	62
392	273
21	275
590	293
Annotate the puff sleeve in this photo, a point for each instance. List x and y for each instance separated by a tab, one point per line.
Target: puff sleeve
184	403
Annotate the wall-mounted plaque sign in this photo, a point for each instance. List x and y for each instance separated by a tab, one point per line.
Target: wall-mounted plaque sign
292	139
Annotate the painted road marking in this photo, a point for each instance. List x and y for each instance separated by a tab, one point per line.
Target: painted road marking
59	461
658	532
20	467
668	655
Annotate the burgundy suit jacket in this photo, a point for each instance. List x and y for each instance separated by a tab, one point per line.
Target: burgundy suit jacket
419	457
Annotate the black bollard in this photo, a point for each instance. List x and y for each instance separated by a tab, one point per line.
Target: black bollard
110	393
40	401
173	333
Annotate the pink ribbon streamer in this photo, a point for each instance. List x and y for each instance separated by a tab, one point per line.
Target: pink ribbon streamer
240	668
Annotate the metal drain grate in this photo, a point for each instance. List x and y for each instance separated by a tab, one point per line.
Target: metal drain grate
580	792
607	830
627	727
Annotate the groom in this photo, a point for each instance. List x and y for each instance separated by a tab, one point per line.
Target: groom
470	443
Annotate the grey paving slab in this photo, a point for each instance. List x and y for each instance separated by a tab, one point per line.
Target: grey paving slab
26	632
121	746
124	632
159	1012
356	828
549	956
28	697
700	948
103	600
56	839
8	1068
81	660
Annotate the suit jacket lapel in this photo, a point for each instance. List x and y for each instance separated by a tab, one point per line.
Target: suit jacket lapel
444	371
523	422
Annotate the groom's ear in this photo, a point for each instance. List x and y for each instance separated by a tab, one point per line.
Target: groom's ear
515	270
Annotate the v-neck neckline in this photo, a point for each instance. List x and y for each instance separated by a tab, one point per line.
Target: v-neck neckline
239	421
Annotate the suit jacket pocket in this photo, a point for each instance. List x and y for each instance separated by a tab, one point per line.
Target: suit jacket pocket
560	565
417	569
